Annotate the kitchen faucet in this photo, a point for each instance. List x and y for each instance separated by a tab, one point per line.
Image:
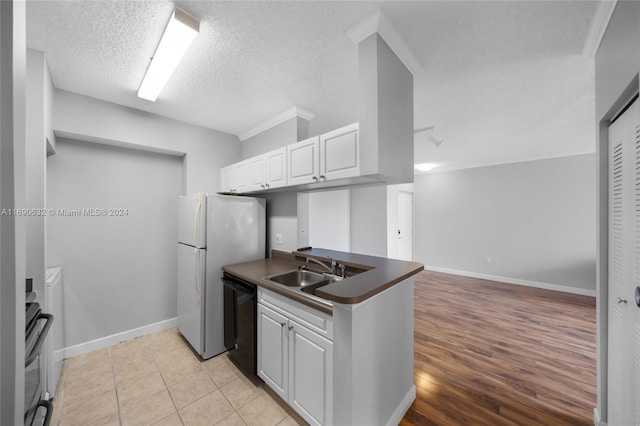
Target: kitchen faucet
331	269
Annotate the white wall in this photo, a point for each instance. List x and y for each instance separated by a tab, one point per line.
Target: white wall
535	220
87	119
110	128
12	228
282	218
369	220
288	132
119	271
35	168
329	219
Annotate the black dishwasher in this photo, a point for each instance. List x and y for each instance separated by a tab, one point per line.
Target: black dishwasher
240	322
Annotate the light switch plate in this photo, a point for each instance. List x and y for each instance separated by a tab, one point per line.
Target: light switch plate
279	239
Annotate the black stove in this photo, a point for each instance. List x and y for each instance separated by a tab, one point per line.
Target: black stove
35	334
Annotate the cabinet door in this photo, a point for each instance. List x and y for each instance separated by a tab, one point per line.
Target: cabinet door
340	153
276	168
310	375
227	183
272	350
257	173
303	161
242	176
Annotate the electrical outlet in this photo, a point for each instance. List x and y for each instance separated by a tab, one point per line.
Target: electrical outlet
279	239
487	259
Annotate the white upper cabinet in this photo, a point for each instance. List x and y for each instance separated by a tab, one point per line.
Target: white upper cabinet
227	182
242	176
330	156
265	171
256	173
304	161
276	168
340	153
333	155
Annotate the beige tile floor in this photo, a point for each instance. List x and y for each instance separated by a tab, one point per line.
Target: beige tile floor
158	380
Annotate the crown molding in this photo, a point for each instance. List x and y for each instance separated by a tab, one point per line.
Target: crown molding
292	112
379	23
599	23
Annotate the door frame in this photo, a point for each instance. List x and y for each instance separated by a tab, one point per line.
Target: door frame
602	248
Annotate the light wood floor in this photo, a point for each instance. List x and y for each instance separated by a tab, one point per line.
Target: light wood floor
489	353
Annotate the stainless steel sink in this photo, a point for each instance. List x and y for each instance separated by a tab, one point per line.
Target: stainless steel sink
311	289
306	281
298	278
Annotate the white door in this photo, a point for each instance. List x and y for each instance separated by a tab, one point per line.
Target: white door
310	374
404	231
624	270
191	219
273	350
191	275
303	161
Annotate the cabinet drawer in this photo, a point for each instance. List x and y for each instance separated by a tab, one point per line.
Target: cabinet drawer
311	318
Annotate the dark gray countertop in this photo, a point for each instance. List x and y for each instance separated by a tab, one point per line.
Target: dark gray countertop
374	275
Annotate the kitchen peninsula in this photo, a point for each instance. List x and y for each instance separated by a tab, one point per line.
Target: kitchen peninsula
342	354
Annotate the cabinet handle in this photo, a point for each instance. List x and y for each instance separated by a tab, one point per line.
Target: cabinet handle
282	324
290	327
262	185
315	178
323	177
266	185
621	300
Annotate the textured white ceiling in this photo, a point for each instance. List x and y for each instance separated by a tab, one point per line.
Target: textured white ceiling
503	81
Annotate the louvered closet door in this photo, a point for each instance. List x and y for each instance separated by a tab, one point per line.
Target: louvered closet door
624	269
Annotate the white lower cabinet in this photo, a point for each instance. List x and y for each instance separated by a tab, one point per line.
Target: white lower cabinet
310	374
273	350
296	362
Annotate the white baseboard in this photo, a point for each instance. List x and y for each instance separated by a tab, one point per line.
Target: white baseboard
517	281
107	341
596	418
402	409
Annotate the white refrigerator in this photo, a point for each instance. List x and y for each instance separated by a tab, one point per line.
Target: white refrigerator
213	230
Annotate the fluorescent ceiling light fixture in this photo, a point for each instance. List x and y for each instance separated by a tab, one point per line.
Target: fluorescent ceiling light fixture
178	36
425	167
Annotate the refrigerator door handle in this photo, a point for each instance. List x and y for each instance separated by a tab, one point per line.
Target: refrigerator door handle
197	275
197	218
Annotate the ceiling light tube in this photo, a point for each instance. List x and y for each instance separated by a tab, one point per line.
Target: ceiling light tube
425	167
178	36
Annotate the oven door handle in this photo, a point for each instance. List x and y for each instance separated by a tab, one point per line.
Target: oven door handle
47	405
43	334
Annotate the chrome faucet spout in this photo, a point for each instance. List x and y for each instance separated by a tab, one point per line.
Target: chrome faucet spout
331	269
